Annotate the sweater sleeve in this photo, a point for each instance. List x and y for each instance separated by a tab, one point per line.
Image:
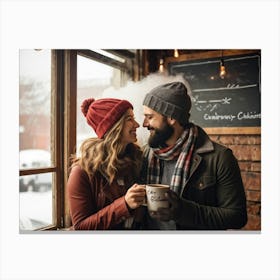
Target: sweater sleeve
83	206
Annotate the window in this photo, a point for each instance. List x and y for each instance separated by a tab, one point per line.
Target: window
93	79
53	83
35	151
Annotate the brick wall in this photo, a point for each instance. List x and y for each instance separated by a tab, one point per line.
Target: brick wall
247	149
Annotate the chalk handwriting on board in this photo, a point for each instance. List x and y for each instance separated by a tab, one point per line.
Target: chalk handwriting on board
228	87
230	117
210	104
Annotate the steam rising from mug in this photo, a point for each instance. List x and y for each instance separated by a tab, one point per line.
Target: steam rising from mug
135	92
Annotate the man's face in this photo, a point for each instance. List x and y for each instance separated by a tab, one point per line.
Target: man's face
160	129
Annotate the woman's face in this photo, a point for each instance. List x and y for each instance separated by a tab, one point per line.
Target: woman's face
129	129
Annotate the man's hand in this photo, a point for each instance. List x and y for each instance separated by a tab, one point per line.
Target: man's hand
171	213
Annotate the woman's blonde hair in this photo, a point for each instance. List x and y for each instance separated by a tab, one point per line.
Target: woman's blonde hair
108	155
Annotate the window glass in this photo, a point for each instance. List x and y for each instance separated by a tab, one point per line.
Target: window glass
35	201
93	78
35	137
34	158
35	99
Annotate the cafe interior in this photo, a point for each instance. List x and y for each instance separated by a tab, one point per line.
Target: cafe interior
225	90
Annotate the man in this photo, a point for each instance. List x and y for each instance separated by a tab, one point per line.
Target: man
207	192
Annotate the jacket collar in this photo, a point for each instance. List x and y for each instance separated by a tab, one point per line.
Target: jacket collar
203	144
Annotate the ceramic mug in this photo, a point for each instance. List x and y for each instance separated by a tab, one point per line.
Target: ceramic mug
155	196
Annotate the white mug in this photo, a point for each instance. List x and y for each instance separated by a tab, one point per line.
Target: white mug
155	196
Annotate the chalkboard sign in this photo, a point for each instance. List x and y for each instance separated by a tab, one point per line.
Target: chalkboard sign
234	101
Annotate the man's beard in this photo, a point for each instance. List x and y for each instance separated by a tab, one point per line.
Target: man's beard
160	136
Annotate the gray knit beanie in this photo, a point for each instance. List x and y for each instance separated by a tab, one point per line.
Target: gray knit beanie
171	100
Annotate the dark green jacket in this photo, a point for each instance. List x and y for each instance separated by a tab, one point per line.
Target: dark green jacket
213	197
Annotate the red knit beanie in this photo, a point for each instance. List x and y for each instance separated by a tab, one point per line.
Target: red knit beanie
103	113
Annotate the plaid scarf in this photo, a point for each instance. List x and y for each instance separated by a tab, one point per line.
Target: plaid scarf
182	150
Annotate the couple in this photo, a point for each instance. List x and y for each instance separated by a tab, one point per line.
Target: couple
106	184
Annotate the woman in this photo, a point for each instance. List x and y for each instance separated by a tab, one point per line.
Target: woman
102	188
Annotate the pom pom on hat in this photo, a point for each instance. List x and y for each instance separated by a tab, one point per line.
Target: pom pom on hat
103	113
85	105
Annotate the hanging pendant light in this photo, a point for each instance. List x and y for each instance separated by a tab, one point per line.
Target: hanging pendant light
222	67
161	66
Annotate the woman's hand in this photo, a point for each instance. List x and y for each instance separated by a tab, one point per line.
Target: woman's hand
135	196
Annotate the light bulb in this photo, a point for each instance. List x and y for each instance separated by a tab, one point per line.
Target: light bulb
161	67
222	69
176	53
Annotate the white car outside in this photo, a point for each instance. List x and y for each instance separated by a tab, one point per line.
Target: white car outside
35	158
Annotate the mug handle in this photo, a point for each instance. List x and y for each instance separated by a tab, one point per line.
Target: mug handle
145	200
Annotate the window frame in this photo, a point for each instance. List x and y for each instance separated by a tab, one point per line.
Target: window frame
63	123
56	155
